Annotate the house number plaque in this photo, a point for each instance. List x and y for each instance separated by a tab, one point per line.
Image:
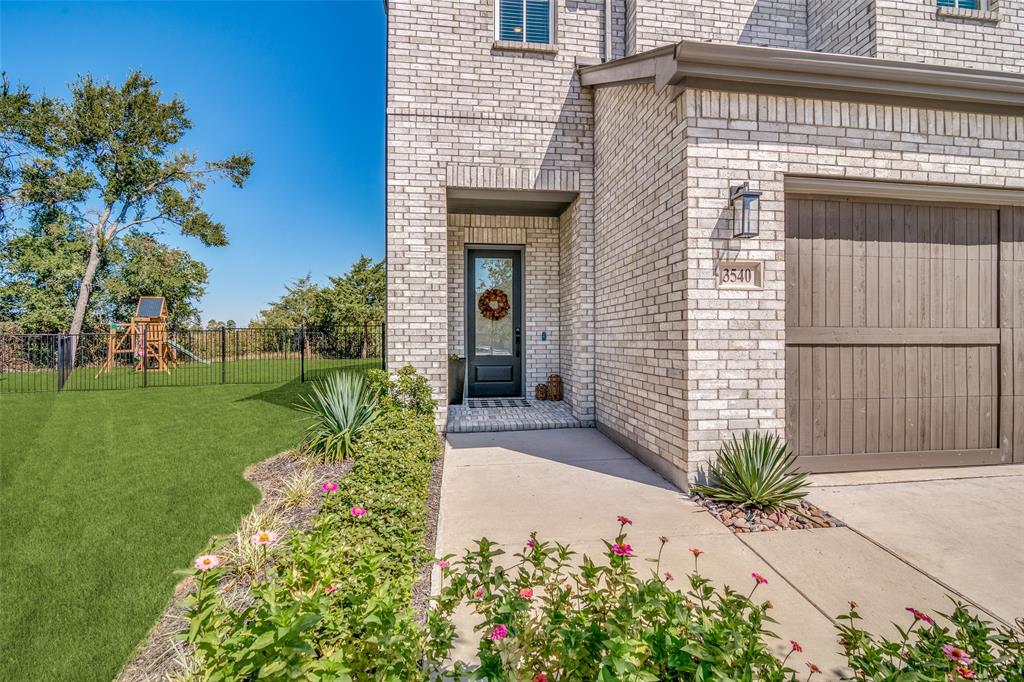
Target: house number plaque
739	274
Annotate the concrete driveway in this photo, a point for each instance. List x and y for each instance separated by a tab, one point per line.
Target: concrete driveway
569	485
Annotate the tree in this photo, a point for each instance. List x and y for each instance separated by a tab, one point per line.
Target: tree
143	266
294	308
356	299
110	164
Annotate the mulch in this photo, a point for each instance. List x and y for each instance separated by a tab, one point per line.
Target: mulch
740	519
162	655
421	590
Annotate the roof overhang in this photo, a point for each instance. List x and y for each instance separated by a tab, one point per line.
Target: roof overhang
535	202
801	73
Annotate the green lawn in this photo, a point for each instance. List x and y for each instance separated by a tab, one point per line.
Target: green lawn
102	496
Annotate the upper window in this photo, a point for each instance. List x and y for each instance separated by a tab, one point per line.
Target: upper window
962	4
526	21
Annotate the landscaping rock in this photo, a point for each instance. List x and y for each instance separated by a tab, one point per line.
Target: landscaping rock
802	516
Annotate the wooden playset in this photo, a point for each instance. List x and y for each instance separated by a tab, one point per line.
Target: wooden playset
145	338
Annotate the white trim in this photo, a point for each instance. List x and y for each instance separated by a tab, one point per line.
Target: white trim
552	15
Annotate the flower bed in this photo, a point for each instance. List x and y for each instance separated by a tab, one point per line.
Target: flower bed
742	519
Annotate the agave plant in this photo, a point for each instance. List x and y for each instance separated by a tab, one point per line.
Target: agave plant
756	471
340	409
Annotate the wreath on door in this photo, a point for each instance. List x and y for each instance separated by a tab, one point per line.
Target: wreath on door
493	304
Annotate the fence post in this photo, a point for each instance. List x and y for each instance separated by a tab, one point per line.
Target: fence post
384	345
145	355
61	358
223	353
302	353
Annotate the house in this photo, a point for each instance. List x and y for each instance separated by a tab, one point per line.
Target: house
795	215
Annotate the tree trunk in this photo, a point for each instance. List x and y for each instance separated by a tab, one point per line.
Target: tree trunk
84	291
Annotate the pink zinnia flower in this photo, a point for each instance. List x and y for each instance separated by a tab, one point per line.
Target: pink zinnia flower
957	654
330	589
443	564
329	487
813	668
498	633
669	576
965	672
479	593
540	677
920	615
624	520
264	537
526	593
852	604
696	552
795	645
530	543
568	587
761	580
207	561
622	550
358	511
662	539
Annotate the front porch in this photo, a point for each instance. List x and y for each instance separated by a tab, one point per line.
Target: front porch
511	248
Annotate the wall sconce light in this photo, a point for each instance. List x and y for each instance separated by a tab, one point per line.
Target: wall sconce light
746	210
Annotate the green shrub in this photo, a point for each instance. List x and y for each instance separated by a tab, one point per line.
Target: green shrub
756	471
408	389
338	602
928	650
340	409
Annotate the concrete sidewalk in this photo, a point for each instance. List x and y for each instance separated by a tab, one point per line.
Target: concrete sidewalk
569	486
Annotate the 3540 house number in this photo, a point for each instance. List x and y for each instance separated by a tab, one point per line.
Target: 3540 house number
734	274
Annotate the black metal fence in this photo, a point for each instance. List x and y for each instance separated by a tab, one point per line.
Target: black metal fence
156	356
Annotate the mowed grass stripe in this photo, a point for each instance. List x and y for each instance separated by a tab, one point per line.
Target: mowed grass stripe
106	493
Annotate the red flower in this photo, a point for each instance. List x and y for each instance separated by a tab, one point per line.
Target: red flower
813	668
852	604
696	552
526	593
761	580
540	677
330	589
920	615
479	593
669	576
796	646
624	520
964	672
443	564
662	539
568	587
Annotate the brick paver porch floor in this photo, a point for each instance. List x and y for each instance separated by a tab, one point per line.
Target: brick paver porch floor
541	414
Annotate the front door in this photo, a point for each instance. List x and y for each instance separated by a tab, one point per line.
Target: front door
494	323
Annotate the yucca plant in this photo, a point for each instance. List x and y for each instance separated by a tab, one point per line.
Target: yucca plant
340	409
756	471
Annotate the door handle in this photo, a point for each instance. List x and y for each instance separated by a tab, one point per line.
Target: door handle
519	340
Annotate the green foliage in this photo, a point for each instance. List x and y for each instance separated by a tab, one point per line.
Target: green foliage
108	163
567	619
340	410
338	603
757	472
969	648
406	389
413	391
294	308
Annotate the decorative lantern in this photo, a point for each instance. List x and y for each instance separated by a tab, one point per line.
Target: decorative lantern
746	210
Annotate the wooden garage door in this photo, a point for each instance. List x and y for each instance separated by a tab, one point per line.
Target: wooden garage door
895	355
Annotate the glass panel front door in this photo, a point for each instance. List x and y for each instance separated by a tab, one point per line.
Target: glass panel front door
494	323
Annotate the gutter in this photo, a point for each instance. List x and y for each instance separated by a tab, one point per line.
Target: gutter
749	68
607	30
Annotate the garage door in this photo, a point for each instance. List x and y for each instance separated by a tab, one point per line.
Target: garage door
900	333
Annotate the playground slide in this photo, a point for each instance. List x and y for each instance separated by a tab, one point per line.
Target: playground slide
187	352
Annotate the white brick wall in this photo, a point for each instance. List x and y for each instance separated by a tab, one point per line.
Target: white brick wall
843	26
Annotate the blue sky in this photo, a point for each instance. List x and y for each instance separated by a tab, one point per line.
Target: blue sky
300	85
